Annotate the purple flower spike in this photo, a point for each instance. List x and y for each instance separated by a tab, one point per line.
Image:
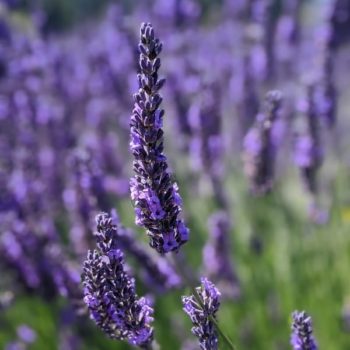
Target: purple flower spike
308	154
326	99
155	196
302	337
110	293
200	309
260	147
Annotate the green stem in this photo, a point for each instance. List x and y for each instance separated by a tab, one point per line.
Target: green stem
279	202
222	334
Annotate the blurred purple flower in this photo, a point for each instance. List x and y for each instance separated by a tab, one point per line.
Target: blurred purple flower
308	153
302	334
260	147
205	120
26	334
16	345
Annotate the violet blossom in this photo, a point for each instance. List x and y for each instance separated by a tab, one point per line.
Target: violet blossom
302	334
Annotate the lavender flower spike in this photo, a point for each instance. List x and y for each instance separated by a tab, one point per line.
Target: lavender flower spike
156	198
200	309
260	147
110	293
302	337
309	152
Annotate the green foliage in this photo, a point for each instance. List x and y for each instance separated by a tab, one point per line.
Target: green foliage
37	315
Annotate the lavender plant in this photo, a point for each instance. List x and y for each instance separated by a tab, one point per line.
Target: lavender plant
302	334
86	195
207	144
156	198
110	293
308	148
202	307
260	148
60	95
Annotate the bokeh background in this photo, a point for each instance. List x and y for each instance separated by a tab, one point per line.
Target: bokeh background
67	75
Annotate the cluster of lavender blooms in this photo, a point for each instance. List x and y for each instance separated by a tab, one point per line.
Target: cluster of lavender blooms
38	137
156	197
110	293
202	307
58	170
302	334
156	272
64	126
260	146
84	198
37	260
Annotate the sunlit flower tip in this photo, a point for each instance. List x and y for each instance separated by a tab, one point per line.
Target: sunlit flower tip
302	334
201	308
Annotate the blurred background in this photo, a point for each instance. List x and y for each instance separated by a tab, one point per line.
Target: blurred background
265	189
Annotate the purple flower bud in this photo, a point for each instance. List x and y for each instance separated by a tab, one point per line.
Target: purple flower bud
201	308
302	337
155	196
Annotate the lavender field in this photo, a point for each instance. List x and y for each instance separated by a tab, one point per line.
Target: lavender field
175	174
